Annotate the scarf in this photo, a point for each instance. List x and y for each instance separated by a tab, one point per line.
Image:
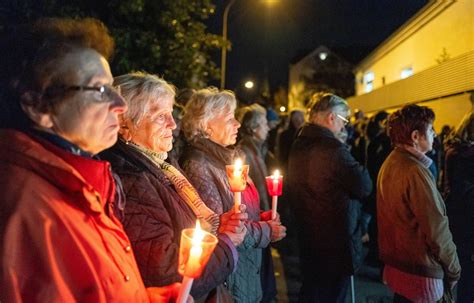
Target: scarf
209	220
417	154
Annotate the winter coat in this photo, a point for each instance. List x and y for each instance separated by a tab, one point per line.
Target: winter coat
414	234
258	169
459	190
204	163
323	178
59	240
155	215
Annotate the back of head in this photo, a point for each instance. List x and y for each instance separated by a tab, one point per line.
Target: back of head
409	118
29	65
203	106
250	117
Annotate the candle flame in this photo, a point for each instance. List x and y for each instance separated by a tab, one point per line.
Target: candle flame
276	174
198	235
237	167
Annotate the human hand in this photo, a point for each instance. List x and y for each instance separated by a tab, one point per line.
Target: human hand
232	224
267	216
365	238
166	294
278	230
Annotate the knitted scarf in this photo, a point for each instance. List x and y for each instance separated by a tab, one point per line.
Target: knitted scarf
209	220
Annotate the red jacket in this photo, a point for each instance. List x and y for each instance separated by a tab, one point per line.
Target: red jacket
58	242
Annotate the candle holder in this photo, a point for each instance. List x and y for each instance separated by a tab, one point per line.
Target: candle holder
274	187
195	250
237	175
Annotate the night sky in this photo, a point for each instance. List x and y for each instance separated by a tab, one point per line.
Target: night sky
266	39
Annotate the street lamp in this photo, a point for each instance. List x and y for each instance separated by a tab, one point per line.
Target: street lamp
249	84
224	46
224	37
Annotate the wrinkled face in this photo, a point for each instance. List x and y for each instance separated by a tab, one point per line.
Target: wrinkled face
155	129
222	129
425	141
338	121
87	118
262	129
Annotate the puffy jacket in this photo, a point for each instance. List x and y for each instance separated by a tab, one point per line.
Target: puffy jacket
155	214
204	163
59	239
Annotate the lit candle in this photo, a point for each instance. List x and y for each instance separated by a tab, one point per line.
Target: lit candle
274	186
237	175
194	265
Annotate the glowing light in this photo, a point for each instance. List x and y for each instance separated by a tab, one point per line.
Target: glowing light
282	109
249	84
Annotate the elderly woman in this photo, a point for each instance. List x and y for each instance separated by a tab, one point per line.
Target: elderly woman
414	238
459	188
60	240
160	200
211	129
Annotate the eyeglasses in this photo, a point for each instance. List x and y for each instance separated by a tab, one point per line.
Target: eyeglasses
106	92
345	120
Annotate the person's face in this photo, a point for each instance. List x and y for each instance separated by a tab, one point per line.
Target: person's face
425	141
338	121
155	130
262	129
223	128
87	118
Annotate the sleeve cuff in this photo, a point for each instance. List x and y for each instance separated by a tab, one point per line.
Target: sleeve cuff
235	255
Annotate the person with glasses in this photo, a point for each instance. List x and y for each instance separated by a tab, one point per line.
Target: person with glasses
415	242
323	179
60	238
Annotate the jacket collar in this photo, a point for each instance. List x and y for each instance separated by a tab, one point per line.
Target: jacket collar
216	152
312	130
67	171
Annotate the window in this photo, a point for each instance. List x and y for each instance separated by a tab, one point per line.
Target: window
369	81
406	72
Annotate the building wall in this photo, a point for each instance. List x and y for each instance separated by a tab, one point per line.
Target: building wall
440	35
449	33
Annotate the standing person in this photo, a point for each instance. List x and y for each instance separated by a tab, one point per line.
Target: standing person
160	200
211	129
459	191
323	178
253	133
415	243
59	238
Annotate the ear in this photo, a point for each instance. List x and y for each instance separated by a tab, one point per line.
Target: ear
41	119
415	136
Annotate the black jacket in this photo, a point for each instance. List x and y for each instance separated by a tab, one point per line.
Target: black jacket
323	178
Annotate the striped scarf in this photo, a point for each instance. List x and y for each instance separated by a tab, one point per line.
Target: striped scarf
209	220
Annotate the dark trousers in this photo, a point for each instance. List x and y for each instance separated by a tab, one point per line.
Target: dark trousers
465	286
330	290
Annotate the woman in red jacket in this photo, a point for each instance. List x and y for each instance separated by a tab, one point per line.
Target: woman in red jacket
60	240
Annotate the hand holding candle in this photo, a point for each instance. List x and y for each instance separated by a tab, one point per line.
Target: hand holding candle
195	250
274	187
237	175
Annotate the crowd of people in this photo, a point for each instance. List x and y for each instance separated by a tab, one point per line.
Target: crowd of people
100	175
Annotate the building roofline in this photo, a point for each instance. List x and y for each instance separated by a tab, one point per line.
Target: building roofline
431	10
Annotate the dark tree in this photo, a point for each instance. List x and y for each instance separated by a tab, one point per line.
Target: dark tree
167	37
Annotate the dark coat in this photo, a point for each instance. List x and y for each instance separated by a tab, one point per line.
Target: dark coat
204	163
459	191
323	177
155	214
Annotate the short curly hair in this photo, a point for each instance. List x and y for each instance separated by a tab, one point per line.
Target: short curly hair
30	56
409	118
204	105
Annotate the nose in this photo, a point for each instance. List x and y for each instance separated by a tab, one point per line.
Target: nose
170	122
118	104
237	123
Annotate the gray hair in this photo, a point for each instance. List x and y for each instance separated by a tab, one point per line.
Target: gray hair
204	105
248	117
140	90
324	103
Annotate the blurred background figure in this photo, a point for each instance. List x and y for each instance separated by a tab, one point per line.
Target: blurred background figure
286	137
459	193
